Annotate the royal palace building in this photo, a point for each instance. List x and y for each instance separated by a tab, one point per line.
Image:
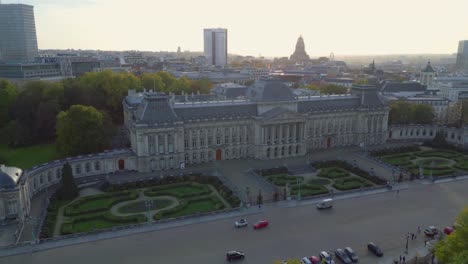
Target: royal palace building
270	123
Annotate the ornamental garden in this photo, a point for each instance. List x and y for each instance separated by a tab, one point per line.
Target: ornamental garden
330	176
426	160
138	202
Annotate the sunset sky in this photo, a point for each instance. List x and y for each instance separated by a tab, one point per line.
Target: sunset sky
255	27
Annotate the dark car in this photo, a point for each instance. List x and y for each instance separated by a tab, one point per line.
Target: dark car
351	254
342	256
375	249
232	255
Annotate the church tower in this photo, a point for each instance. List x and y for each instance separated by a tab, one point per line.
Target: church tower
300	53
427	75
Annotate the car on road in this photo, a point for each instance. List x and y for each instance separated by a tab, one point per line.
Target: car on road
325	256
342	256
305	260
314	260
375	249
325	203
351	254
430	231
448	230
234	255
260	224
241	223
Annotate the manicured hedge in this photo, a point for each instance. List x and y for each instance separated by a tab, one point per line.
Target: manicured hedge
309	190
350	183
282	179
438	153
185	205
384	152
346	166
47	229
333	173
86	223
272	171
110	200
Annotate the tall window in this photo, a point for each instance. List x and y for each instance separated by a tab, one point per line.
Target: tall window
78	169
97	166
218	140
87	167
186	143
186	157
49	176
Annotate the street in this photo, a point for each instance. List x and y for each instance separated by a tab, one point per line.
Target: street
293	232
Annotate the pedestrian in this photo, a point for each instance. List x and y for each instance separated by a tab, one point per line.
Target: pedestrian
404	259
425	243
414	236
397	192
400	258
419	229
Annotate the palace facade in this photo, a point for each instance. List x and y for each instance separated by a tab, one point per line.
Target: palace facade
270	123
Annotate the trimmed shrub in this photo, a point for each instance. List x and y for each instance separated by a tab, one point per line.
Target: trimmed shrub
350	183
384	152
108	200
346	166
333	173
309	190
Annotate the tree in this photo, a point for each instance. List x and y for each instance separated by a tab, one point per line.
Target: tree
68	190
400	113
422	114
453	249
152	81
439	140
333	89
83	130
8	94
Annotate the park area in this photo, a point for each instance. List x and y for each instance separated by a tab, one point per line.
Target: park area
133	203
429	161
330	176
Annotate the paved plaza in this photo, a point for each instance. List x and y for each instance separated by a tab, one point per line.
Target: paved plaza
293	232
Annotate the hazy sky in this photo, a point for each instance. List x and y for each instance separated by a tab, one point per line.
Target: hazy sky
266	27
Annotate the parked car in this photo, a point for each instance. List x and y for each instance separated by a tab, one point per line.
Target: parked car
305	260
325	203
375	249
327	257
448	230
233	255
260	224
314	260
342	256
241	223
351	254
430	231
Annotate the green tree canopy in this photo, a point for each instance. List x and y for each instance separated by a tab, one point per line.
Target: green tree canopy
83	130
8	94
153	81
408	113
453	249
68	190
327	89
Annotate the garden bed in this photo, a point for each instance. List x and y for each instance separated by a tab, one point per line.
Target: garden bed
192	206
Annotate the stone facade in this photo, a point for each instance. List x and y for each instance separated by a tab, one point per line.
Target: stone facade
271	123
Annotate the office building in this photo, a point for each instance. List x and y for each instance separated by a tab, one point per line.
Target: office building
18	41
215	46
462	55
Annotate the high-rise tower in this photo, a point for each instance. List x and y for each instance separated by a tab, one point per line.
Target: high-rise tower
462	55
18	41
215	46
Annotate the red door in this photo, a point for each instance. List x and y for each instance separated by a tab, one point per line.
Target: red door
328	142
218	154
121	164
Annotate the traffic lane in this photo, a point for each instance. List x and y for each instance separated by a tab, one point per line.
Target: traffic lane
293	232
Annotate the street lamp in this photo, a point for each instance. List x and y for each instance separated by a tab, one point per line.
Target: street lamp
406	247
299	190
149	205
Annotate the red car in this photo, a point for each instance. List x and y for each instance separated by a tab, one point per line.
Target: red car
448	230
260	224
314	260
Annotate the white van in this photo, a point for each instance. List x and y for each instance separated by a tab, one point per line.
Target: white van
325	203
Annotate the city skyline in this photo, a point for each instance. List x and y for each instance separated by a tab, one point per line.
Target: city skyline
261	28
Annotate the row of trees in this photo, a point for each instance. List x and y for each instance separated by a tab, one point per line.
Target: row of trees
327	89
29	114
407	113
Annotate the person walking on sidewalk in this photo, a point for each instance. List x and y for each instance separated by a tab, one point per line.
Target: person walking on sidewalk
419	229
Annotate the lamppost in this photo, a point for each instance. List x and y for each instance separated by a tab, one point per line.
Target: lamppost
149	205
299	190
406	247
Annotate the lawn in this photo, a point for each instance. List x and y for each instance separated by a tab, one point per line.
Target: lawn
350	183
309	190
27	157
98	221
183	190
333	173
98	203
192	207
282	179
140	206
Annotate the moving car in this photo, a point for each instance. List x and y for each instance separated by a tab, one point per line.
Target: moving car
325	203
314	260
305	260
327	257
430	231
241	223
375	249
351	254
260	224
448	230
342	256
234	254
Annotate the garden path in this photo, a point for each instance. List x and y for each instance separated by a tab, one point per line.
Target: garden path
61	218
115	209
213	189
